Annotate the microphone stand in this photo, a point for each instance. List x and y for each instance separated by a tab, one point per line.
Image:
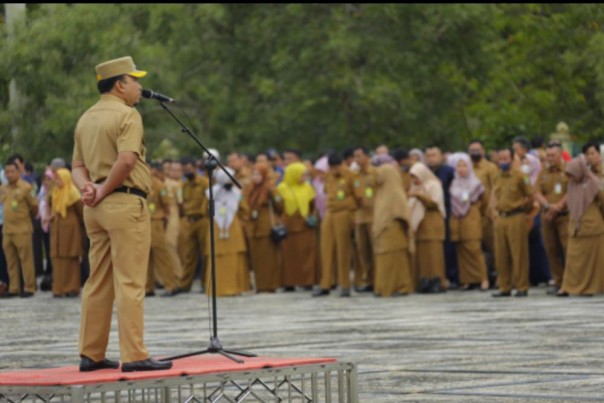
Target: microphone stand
211	164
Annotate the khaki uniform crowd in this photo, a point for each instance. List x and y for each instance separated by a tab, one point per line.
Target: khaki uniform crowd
364	221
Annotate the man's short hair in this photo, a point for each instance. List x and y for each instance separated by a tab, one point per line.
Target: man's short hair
106	85
29	167
157	166
294	151
589	145
433	146
523	141
187	160
166	160
400	154
474	141
555	144
334	159
510	149
362	148
348	153
537	141
17	157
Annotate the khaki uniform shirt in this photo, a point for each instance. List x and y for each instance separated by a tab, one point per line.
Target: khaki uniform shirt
244	177
340	192
364	188
194	197
158	200
552	184
106	129
511	190
20	206
486	172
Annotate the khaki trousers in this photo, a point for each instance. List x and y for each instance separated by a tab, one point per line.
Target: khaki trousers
119	229
19	252
160	259
336	249
364	273
511	253
555	240
193	246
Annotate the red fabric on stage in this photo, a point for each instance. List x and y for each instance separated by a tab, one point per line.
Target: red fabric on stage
199	365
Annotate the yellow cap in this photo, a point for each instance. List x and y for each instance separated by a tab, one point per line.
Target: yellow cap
118	67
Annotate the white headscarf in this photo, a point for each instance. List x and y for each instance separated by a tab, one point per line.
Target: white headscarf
464	190
431	187
226	201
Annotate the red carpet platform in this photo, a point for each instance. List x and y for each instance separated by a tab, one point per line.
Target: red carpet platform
207	378
200	365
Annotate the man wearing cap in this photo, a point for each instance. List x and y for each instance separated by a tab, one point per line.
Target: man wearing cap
109	168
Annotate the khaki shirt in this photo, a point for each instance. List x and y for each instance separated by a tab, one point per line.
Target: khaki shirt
340	192
20	206
486	171
106	129
511	190
244	177
407	180
158	200
552	184
195	201
364	188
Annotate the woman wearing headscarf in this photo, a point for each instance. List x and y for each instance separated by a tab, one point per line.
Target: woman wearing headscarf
66	237
300	260
585	255
392	238
264	253
469	204
428	214
232	272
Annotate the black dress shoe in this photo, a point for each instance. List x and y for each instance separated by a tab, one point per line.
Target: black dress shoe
150	294
27	294
345	292
172	293
561	294
146	365
367	288
10	295
87	365
320	293
289	289
521	294
501	294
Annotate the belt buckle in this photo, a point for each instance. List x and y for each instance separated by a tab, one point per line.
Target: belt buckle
128	190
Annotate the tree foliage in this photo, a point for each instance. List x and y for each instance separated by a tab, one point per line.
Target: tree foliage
313	76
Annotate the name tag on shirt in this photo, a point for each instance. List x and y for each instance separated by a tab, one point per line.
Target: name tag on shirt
465	196
558	188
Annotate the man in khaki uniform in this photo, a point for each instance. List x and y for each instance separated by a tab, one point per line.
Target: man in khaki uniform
173	184
160	260
551	195
109	168
336	227
364	188
513	198
242	173
196	223
19	208
486	171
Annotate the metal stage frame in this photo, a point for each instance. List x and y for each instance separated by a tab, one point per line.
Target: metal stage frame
331	382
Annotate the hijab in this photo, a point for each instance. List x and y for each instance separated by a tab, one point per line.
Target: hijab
390	199
65	196
431	187
464	190
296	196
226	200
582	189
419	154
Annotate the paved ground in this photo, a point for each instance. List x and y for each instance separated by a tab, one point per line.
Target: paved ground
456	347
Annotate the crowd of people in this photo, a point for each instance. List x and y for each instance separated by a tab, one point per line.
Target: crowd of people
381	221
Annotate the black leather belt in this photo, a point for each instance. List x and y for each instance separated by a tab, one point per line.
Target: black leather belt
129	190
511	212
562	214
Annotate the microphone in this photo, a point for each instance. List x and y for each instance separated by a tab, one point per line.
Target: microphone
156	95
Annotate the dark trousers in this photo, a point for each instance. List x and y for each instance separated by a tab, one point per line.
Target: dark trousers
538	266
450	257
3	267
